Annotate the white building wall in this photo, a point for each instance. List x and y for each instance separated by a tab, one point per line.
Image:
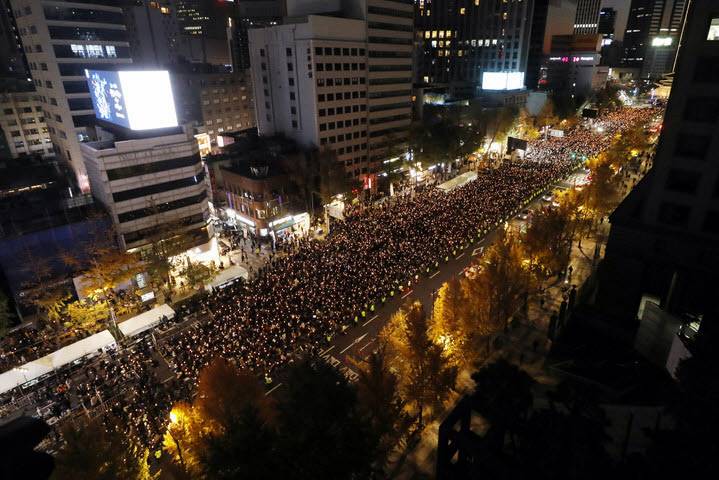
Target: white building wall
23	123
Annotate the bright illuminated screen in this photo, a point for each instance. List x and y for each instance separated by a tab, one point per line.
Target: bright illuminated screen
662	41
138	100
713	34
502	80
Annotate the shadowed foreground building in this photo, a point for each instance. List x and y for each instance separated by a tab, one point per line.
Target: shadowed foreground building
663	246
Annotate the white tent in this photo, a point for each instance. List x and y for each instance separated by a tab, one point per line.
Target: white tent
458	181
145	320
59	358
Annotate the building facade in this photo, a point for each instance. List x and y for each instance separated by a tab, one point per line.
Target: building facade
652	36
153	33
152	185
339	83
60	41
22	122
458	41
12	58
247	15
214	103
574	67
664	240
586	22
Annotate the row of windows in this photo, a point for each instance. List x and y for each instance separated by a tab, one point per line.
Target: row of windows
393	118
375	54
83	15
391	26
342	124
393	93
346	67
391	40
331	97
340	110
390	12
158	188
677	215
387	131
390	68
79	104
339	51
342	137
356	160
389	81
87	33
331	82
152	167
136	235
390	106
351	148
90	51
161	208
10	111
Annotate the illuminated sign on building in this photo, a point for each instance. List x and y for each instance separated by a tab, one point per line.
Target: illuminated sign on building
502	80
662	41
138	100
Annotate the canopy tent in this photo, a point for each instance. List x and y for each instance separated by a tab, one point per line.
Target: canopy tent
145	320
227	275
458	181
59	358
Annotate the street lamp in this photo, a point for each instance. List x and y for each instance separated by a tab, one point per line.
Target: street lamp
175	420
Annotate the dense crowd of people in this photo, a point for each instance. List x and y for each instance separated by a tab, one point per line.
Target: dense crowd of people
298	301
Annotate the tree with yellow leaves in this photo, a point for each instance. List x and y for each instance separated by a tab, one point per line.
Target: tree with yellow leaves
449	319
93	452
426	375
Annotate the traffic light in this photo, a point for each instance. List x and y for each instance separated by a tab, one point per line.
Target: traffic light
18	458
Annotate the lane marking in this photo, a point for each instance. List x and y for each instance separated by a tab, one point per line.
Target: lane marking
368	344
328	350
368	321
460	256
407	294
434	274
274	388
354	342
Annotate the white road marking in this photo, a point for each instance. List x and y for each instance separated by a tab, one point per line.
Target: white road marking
407	294
355	342
328	350
459	256
434	274
368	344
274	388
368	321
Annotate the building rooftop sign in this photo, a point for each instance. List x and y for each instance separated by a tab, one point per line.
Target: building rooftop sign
138	100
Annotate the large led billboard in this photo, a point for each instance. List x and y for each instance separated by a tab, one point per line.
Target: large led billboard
502	80
138	100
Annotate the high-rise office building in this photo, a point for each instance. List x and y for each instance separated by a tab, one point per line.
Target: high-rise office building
652	36
340	82
153	32
12	58
607	23
664	240
247	15
23	124
60	41
586	22
457	42
203	30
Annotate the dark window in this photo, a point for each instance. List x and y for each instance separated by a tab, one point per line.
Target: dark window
674	214
74	14
87	33
80	104
291	81
702	109
152	167
290	67
391	40
707	70
289	52
693	146
682	181
132	237
318	50
158	188
161	207
75	86
391	12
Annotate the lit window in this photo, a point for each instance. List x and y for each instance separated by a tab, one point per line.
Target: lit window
110	50
78	50
462	10
713	34
427	34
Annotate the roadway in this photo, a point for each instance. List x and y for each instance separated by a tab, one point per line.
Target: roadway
346	350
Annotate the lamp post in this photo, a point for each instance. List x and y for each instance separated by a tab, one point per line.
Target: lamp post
174	420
